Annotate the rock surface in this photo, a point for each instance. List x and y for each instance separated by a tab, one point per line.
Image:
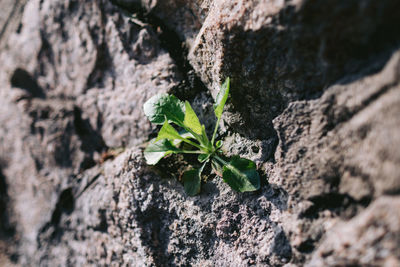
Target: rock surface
279	51
315	103
373	236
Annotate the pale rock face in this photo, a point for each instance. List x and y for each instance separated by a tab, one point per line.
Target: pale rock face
372	236
276	52
315	102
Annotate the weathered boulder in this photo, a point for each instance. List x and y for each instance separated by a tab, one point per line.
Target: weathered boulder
185	18
315	101
330	161
329	143
371	238
74	78
72	55
279	51
130	215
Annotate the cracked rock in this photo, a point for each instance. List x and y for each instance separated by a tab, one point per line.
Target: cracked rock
314	101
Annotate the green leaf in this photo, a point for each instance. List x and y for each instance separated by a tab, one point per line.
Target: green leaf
187	135
218	144
164	106
204	138
191	120
156	150
221	98
168	132
192	181
241	175
203	157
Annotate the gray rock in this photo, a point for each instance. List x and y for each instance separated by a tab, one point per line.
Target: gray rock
11	14
183	17
130	215
314	102
333	136
330	161
88	57
279	51
371	238
74	78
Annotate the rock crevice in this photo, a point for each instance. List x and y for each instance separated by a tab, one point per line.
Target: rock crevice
315	102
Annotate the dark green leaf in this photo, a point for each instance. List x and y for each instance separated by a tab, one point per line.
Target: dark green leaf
191	120
164	106
156	150
168	132
222	96
241	175
192	181
203	157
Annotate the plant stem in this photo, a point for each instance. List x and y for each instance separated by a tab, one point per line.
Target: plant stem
221	160
215	131
196	136
193	144
192	152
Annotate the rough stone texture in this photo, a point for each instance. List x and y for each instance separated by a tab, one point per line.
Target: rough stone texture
74	77
9	21
132	216
371	237
92	53
336	154
315	102
335	131
183	17
279	51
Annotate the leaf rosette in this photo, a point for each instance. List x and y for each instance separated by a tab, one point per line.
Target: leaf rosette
167	110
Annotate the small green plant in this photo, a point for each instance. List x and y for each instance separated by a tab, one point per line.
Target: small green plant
164	109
